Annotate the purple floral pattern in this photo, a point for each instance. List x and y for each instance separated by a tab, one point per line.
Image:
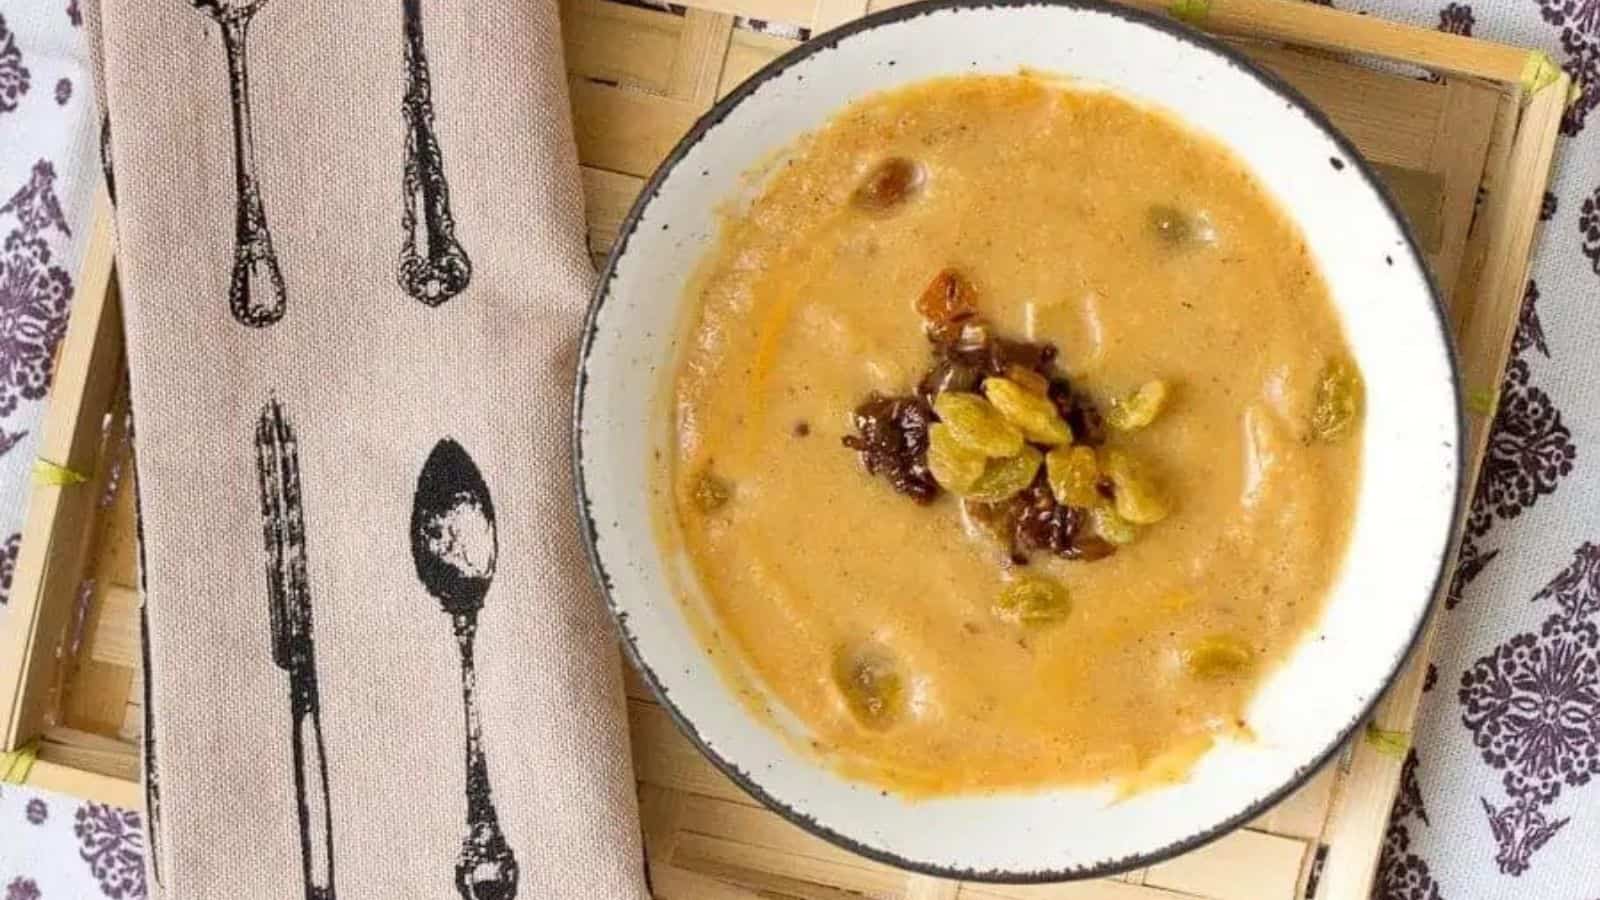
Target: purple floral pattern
1577	589
1530	331
1519	829
1457	18
112	843
1469	565
34	289
1402	874
1579	21
9	439
63	91
1547	207
14	76
1589	227
1408	801
1530	450
37	811
54	847
74	13
1533	707
8	565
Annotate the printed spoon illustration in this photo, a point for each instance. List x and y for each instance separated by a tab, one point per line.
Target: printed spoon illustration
454	544
255	290
439	269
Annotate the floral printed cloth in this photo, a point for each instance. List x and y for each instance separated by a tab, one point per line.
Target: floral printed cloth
1500	796
47	180
54	847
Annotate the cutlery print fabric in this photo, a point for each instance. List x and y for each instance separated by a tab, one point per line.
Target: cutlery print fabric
359	383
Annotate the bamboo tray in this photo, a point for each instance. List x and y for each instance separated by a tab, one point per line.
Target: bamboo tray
1461	130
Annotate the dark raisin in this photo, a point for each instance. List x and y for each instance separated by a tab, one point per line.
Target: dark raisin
1003	354
947	375
892	439
1033	521
999	520
802	429
1043	524
1091	547
1080	412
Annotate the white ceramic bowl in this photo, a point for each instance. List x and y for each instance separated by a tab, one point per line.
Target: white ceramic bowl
1411	452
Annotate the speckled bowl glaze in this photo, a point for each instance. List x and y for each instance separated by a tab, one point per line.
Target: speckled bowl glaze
1411	452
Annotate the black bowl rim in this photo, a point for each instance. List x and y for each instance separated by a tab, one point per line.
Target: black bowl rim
720	110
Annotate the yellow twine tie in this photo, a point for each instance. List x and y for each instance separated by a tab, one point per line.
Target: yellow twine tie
15	765
1483	402
46	472
1192	11
1539	72
1389	743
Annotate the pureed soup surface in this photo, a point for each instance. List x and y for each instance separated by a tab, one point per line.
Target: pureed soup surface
824	582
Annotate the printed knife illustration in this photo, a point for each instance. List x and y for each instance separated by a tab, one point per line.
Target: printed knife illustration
433	265
256	295
454	545
289	598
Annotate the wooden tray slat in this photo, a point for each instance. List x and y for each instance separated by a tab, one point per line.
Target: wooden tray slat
1356	831
639	78
1243	864
61	519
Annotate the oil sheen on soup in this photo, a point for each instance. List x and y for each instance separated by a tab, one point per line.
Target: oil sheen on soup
1015	438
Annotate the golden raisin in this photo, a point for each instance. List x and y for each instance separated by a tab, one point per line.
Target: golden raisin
1339	400
1033	600
871	686
1170	224
1218	656
1033	413
888	184
1138	498
976	424
1139	408
1028	379
1005	478
1111	526
1073	475
954	465
711	493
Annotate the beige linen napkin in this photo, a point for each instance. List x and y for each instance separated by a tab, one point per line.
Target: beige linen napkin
379	668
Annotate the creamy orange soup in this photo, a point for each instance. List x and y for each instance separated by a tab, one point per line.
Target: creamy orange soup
821	581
